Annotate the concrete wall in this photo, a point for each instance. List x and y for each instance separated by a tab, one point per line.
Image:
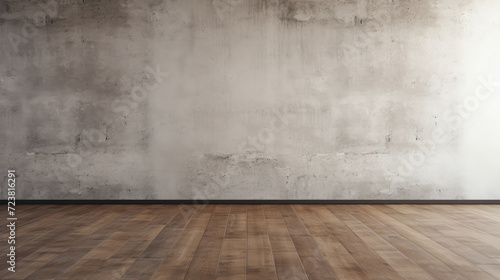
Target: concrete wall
235	99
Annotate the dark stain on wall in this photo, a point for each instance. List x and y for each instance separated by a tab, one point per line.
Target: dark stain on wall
353	12
297	11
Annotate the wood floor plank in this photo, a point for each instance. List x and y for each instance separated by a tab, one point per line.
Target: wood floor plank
315	265
112	269
374	266
139	241
233	256
158	248
256	220
405	267
82	242
23	270
446	255
142	269
51	228
104	250
457	229
58	265
341	261
176	263
388	228
260	260
206	258
286	259
259	251
165	214
293	223
82	270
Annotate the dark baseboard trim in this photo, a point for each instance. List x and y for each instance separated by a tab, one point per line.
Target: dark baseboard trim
250	201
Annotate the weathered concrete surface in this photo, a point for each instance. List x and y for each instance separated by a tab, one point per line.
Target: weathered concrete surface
233	99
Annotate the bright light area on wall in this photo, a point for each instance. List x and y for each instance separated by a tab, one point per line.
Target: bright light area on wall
480	138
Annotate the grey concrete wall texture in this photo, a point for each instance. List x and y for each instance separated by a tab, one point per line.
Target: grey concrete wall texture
236	99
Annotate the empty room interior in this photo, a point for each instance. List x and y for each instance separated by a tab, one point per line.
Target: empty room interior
250	139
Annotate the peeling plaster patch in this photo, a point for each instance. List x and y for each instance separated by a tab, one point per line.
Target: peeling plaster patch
345	13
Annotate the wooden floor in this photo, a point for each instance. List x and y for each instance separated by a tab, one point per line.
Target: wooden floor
256	242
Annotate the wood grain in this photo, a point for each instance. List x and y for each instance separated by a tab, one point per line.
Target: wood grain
286	242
